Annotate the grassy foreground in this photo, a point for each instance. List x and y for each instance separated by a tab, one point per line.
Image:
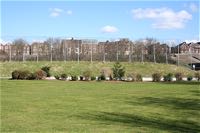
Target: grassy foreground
60	106
59	67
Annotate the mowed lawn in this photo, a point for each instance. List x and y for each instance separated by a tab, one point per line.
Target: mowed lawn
98	107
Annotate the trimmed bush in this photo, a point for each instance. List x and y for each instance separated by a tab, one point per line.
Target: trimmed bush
110	77
118	71
15	74
47	70
131	76
40	74
57	77
74	78
19	74
179	76
197	76
87	74
106	71
32	76
156	77
24	74
168	77
189	78
93	78
102	77
138	78
81	78
63	76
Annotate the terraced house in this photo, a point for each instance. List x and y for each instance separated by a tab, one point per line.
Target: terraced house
92	50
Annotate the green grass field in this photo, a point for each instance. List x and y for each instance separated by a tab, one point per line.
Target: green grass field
67	106
59	67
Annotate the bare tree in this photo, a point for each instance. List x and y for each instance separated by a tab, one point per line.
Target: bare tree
55	48
19	51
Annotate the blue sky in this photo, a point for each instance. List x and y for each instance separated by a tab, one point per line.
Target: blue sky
37	20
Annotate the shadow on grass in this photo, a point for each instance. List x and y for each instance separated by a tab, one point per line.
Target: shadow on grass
169	102
182	82
195	92
132	120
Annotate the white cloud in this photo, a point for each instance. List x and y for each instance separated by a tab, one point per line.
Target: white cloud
193	7
69	12
109	29
163	18
55	12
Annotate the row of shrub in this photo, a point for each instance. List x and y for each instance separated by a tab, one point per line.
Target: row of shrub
169	77
101	77
118	73
156	77
84	77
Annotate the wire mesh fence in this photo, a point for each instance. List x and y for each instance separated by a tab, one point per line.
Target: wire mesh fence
80	49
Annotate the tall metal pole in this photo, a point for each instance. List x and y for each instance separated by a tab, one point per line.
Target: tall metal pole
67	52
178	56
104	54
51	51
166	54
91	53
154	53
132	44
117	52
78	52
37	52
23	54
10	57
170	48
144	41
64	51
130	52
191	56
37	57
142	55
